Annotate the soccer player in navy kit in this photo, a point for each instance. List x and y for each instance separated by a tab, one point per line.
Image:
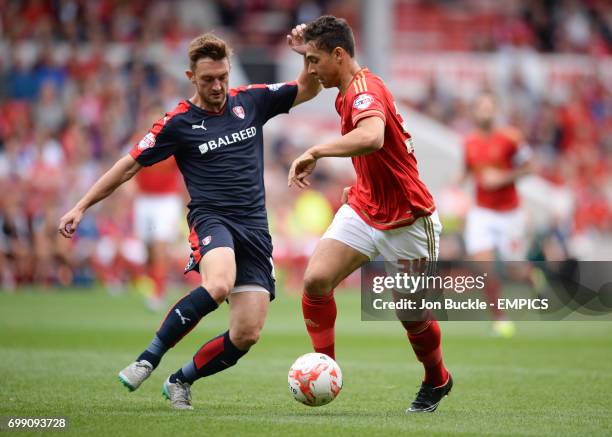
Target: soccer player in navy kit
216	139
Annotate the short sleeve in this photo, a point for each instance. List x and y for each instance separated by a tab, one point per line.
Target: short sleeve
367	104
520	151
272	100
466	155
522	154
158	144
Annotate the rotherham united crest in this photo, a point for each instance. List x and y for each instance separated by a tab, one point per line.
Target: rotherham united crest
238	111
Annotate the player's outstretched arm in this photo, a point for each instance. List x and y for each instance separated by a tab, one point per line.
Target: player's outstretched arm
367	137
122	171
308	84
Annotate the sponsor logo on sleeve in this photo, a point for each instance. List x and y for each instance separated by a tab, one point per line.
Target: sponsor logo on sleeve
206	241
363	101
147	142
275	86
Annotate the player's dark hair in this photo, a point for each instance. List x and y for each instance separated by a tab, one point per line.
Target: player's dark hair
328	32
207	45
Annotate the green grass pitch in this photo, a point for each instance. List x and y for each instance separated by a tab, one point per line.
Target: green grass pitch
60	353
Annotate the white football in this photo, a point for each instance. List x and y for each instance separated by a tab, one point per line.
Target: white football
315	379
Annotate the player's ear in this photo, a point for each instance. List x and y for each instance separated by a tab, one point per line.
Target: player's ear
337	54
189	75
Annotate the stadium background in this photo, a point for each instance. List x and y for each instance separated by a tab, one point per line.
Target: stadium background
81	81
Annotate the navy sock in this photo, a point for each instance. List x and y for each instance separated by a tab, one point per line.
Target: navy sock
215	356
178	376
185	315
154	352
182	318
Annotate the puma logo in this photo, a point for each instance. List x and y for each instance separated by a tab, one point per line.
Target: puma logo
184	320
199	126
310	323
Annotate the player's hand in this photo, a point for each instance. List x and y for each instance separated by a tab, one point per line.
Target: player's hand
303	166
69	222
493	178
345	192
295	40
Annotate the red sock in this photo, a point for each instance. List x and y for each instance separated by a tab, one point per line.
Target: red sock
158	275
425	340
320	318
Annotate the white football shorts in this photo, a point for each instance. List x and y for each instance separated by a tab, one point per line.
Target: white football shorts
502	231
417	241
157	217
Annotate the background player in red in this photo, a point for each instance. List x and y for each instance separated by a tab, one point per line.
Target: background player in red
389	210
496	157
158	207
216	138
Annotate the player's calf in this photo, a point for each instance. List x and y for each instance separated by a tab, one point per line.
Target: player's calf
218	354
185	315
180	320
320	318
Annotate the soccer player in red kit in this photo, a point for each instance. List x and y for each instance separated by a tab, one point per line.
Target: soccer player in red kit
158	208
389	211
496	157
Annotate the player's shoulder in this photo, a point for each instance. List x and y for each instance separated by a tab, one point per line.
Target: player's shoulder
247	89
372	78
511	133
367	89
366	82
471	137
176	113
258	88
171	119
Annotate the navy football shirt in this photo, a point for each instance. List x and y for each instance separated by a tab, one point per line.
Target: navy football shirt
220	154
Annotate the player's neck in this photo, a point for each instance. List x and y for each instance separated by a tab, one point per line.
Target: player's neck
485	131
200	103
346	77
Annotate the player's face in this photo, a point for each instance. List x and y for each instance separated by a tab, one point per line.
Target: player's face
211	79
484	111
323	66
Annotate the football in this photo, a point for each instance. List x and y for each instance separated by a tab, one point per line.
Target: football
315	379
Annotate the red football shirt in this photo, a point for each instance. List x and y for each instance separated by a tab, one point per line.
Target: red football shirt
388	193
163	178
496	150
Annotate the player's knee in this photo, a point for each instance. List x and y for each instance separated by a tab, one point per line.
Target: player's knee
245	337
219	289
317	284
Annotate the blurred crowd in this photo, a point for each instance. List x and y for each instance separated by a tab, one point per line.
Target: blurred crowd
549	26
81	81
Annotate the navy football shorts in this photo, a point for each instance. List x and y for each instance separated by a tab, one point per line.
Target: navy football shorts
252	248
